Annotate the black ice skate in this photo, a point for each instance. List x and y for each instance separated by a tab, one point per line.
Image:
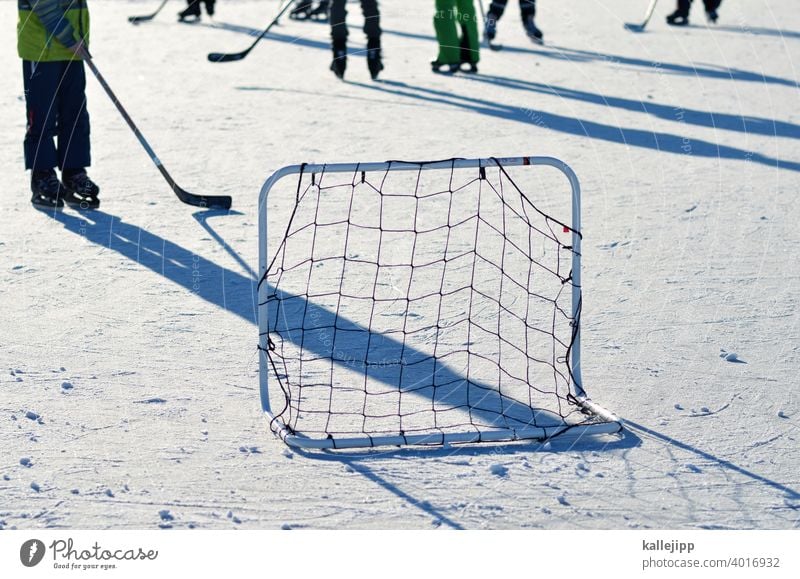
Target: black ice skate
374	57
444	68
533	31
191	13
320	13
80	191
712	16
339	63
46	189
302	11
678	18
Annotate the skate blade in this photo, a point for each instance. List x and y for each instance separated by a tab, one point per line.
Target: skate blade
45	207
83	205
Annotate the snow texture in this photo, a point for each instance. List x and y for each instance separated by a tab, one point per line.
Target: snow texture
685	141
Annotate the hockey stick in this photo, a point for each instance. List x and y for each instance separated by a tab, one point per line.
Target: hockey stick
222	57
217	202
483	11
138	19
648	14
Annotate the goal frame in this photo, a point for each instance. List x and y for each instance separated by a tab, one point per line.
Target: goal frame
612	423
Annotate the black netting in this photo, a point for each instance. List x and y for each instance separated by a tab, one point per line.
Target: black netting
422	301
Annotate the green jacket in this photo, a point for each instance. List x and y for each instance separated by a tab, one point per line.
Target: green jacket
47	27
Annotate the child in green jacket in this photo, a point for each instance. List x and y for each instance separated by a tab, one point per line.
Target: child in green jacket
49	34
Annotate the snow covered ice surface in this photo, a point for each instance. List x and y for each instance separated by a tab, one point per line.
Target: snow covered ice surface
685	141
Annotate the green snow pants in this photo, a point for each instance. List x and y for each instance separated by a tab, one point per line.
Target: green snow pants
452	15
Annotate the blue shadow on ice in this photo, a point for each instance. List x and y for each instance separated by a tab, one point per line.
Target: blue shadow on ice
728	122
761	31
663	142
789	492
577	56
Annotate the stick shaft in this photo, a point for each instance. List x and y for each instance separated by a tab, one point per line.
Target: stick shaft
650	10
150	152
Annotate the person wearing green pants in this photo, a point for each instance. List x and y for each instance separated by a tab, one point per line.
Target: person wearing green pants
456	28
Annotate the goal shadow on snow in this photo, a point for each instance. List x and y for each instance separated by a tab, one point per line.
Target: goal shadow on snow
632	137
235	292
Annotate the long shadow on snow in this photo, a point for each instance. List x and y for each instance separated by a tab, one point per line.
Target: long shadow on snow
728	122
760	31
576	55
789	492
662	142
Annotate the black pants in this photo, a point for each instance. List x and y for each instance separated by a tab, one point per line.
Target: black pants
58	123
526	8
194	7
372	20
684	5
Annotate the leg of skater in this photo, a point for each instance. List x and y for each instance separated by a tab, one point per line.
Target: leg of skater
445	24
339	37
496	10
74	150
527	9
470	38
372	29
41	157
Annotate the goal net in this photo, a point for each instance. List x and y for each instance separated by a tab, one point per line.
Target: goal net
421	303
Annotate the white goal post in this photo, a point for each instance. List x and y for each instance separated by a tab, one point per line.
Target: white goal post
342	396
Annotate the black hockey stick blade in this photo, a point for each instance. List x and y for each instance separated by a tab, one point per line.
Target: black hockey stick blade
222	57
204	201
